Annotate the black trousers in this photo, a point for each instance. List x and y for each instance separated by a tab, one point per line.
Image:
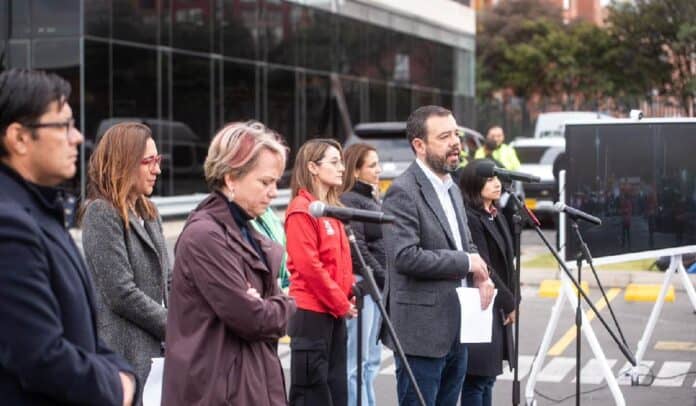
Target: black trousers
318	359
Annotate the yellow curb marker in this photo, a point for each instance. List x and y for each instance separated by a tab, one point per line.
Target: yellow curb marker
569	336
675	346
549	288
636	292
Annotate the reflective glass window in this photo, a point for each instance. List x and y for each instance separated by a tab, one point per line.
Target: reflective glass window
443	67
97	90
402	103
281	39
318	35
240	29
135	21
281	104
239	90
193	25
21	19
55	17
4	20
351	53
191	126
378	102
18	54
98	18
318	106
422	98
134	82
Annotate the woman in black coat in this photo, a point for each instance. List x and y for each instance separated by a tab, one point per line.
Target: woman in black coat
491	234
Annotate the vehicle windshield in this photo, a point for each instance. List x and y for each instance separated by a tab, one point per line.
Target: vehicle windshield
530	155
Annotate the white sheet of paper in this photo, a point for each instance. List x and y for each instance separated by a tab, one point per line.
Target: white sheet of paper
476	325
152	392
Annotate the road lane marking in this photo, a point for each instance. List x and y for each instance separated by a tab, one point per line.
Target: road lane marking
569	335
671	370
556	369
592	372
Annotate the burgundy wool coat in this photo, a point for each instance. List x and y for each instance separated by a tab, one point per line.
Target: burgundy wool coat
221	343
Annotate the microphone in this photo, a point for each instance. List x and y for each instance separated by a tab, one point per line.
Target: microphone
489	170
576	214
318	209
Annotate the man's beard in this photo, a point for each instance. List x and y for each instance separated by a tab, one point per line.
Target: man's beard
439	164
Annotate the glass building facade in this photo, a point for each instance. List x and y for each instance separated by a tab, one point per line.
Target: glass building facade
186	67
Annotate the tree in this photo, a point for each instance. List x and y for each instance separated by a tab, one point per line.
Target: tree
655	44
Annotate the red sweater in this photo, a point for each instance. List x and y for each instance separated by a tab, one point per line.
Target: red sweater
319	261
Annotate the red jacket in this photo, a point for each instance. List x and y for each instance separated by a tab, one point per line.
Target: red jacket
319	261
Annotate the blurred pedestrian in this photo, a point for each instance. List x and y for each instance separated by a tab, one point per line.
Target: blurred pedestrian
50	352
321	277
495	148
491	234
361	191
124	244
226	311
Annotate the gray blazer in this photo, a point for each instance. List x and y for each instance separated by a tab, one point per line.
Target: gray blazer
130	270
424	266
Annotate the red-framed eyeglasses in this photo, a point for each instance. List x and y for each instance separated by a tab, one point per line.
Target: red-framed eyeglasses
151	161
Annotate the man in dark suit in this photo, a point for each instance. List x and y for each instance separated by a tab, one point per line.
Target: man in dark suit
430	254
49	350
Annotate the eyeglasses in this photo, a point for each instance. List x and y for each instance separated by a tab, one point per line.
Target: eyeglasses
151	161
68	125
336	163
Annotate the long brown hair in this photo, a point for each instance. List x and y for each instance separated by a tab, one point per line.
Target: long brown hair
113	169
313	151
354	156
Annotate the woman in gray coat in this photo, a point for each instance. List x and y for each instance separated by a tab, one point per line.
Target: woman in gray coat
124	245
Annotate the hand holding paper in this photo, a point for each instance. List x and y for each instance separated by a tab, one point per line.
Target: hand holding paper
476	325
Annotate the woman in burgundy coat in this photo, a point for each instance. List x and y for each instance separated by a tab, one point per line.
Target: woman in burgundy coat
226	310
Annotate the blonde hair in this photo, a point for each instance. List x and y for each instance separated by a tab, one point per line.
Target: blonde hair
113	167
235	150
313	151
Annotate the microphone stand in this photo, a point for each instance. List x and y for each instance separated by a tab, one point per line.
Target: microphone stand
373	291
585	255
521	217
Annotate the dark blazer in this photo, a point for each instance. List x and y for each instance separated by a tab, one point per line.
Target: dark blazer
494	242
424	267
367	235
49	350
131	269
222	342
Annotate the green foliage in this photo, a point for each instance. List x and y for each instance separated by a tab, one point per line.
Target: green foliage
648	44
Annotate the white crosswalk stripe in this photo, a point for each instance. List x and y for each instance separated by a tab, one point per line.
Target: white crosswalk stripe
557	369
673	373
592	372
525	365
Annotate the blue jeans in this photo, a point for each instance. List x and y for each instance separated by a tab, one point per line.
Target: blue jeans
478	390
439	379
371	352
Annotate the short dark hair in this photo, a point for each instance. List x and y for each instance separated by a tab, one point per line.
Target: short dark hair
25	96
471	184
416	127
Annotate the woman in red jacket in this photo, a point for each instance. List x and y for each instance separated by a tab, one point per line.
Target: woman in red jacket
321	277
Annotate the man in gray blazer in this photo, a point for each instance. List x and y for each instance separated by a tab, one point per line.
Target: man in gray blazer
429	255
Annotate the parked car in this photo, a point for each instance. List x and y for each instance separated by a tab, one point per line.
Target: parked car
553	124
537	156
389	138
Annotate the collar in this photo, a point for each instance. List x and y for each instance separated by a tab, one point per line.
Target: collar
492	212
241	217
440	184
363	188
49	198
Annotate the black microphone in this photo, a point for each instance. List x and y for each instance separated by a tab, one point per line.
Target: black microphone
576	214
318	209
489	170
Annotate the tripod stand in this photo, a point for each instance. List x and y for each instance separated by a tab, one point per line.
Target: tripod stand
524	217
373	291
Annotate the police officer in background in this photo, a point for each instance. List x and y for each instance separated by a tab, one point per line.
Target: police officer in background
495	148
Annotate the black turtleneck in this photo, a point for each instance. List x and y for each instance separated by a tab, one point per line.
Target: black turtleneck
51	199
363	188
241	218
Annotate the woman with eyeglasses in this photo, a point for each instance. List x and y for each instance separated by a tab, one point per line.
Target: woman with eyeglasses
124	245
321	278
